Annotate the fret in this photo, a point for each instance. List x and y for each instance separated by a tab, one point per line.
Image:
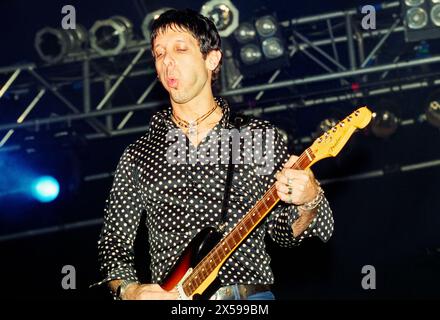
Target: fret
189	285
203	271
252	215
219	252
235	238
239	230
188	291
240	235
225	246
248	222
264	201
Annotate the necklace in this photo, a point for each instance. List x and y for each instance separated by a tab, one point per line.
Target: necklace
192	125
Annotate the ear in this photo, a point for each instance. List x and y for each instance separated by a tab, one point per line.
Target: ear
213	59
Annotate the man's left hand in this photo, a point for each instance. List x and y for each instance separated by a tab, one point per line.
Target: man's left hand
296	186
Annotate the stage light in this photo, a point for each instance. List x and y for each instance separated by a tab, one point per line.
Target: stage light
148	22
259	45
272	48
224	15
417	18
412	3
384	124
53	45
250	54
45	189
266	26
245	33
433	113
421	19
435	15
111	36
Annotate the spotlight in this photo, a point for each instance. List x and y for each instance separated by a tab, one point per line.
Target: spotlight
111	36
148	22
250	54
245	33
413	3
266	26
421	19
260	45
417	18
435	15
45	189
384	124
433	113
54	44
272	48
224	14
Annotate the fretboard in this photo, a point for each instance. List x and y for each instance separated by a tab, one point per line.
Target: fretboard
218	255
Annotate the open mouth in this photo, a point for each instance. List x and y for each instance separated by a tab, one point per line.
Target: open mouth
172	82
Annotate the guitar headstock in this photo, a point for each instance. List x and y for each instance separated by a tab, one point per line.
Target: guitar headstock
333	140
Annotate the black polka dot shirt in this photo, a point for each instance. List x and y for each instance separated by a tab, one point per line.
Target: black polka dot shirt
180	199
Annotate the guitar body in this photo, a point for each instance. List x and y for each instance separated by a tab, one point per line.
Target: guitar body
196	250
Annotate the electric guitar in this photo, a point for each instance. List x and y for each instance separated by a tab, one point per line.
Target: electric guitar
195	272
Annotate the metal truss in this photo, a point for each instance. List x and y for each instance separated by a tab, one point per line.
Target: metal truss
98	221
342	58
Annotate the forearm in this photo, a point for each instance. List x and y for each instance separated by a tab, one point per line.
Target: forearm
304	220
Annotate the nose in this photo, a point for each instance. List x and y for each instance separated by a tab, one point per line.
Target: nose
168	60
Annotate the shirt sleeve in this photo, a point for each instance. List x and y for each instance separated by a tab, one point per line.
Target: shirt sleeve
122	214
280	220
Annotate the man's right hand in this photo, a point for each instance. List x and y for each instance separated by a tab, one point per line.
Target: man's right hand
138	291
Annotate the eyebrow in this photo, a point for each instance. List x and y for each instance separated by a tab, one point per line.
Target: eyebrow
178	40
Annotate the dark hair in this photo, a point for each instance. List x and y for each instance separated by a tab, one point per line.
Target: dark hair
202	29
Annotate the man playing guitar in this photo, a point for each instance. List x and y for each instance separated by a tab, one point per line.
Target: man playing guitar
182	197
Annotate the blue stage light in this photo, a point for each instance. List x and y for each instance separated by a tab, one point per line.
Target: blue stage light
45	189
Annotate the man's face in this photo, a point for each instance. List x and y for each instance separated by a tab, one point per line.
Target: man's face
180	65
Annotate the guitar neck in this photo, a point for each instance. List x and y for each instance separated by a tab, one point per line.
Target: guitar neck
218	255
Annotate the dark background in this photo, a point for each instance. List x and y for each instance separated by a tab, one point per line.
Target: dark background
390	222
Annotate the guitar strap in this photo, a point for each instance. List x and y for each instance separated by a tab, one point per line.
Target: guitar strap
237	121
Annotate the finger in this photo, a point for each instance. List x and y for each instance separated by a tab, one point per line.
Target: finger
282	187
294	174
283	179
284	197
291	161
287	181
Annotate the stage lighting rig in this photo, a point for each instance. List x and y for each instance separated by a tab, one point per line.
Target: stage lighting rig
421	19
224	14
53	45
148	22
260	46
111	36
